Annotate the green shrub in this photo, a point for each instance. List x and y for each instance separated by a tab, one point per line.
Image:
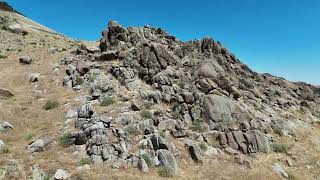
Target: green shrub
28	137
203	146
280	148
198	126
85	160
132	130
147	159
3	56
51	104
67	139
79	81
165	172
146	114
106	101
46	177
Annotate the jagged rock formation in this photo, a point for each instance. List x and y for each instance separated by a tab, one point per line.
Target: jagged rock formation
212	97
6	7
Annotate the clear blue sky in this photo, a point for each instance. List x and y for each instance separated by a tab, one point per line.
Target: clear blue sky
281	37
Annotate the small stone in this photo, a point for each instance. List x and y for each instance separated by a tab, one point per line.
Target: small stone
2	146
61	174
231	151
289	162
143	166
71	114
25	60
279	170
84	167
6	93
4	126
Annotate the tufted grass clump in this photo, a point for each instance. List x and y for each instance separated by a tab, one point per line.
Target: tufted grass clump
107	101
145	113
3	56
147	159
28	137
198	126
51	104
85	160
165	172
132	130
66	139
203	146
280	148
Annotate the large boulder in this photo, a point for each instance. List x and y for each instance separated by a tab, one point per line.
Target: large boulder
6	93
168	160
223	113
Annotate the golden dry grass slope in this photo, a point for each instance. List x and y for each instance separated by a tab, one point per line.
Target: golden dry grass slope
31	122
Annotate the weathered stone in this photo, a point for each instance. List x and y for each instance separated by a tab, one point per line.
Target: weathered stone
279	170
6	93
61	174
85	111
38	145
4	126
143	166
168	160
25	60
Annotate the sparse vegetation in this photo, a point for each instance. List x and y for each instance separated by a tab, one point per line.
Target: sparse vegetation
3	56
132	130
85	160
291	177
145	113
147	159
67	139
165	172
203	146
51	104
106	101
278	131
46	177
280	148
28	137
198	126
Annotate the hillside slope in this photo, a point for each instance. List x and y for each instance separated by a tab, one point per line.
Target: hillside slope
141	99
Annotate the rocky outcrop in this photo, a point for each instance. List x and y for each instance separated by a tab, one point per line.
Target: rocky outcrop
199	92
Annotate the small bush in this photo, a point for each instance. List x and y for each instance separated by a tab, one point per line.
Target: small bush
147	159
280	148
291	177
146	114
198	126
132	130
203	146
28	137
85	160
106	101
46	177
165	172
79	81
51	104
67	139
3	56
